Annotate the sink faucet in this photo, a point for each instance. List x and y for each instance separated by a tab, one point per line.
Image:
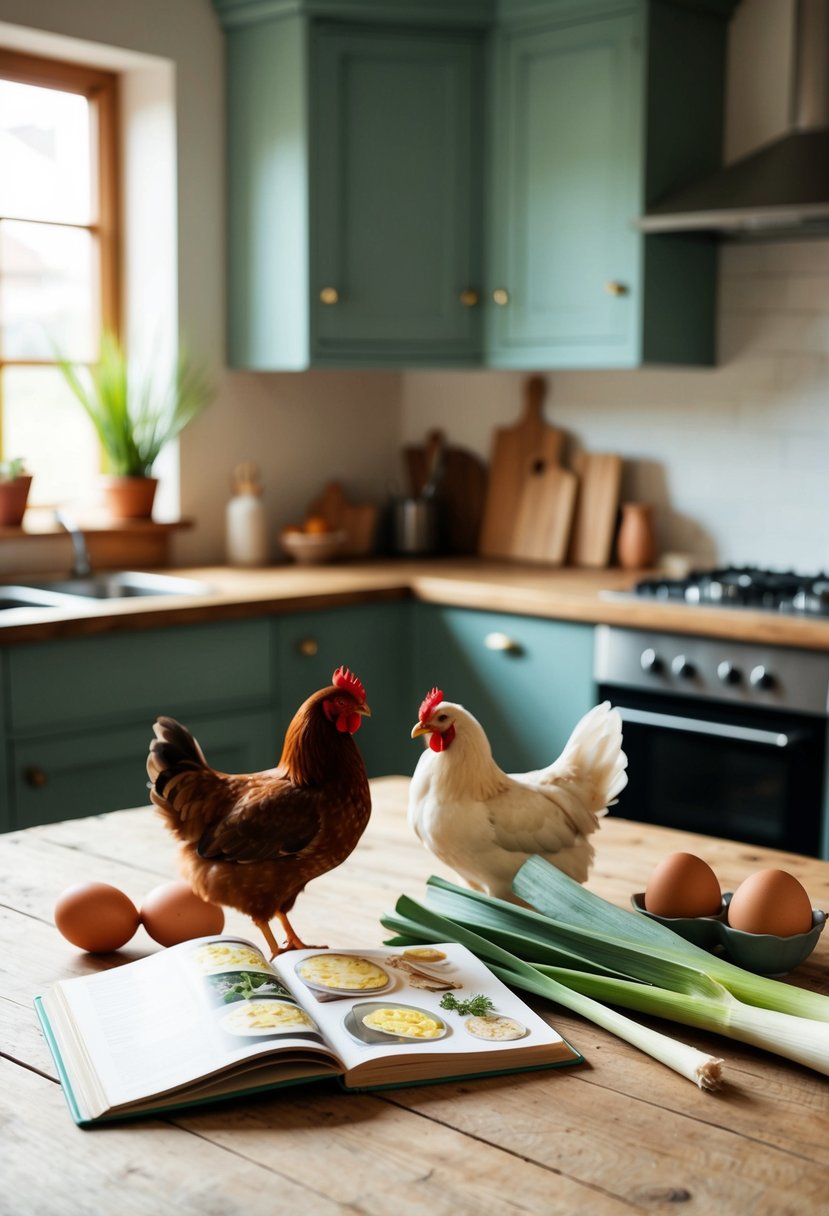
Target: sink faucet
81	567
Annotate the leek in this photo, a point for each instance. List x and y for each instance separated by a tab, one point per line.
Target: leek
598	951
422	924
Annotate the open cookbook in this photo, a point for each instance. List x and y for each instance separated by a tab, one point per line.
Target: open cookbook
212	1018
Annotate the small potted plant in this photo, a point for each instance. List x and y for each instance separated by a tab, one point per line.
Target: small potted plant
135	415
14	492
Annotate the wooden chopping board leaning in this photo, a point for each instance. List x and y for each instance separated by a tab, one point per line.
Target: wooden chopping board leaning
531	497
597	508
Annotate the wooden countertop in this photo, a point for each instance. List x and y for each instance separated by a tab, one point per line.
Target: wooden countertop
621	1133
562	594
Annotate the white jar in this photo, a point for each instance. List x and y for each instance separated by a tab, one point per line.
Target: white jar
246	525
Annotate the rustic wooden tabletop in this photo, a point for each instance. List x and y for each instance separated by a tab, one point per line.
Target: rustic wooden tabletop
619	1133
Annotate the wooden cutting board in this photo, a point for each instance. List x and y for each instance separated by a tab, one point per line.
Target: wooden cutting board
460	494
545	515
597	508
523	459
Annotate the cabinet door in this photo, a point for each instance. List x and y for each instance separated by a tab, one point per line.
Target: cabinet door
527	681
372	640
395	196
566	186
69	775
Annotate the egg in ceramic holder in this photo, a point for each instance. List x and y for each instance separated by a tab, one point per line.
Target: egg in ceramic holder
761	953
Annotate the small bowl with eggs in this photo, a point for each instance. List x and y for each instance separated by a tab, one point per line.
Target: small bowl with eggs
767	925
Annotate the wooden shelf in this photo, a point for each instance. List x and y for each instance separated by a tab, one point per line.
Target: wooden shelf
111	543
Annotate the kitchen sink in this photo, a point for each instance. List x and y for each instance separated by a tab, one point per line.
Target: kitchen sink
116	585
30	597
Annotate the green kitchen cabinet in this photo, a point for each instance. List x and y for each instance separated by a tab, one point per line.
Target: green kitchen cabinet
79	712
599	109
374	642
526	680
457	184
355	170
72	774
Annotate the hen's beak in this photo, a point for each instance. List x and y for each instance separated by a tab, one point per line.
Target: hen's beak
420	729
364	710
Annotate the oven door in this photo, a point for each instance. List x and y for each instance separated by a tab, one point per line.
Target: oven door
744	774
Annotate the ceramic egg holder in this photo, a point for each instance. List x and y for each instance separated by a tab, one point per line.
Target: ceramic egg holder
761	953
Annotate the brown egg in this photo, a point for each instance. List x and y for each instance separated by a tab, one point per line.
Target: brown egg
95	916
172	913
683	885
770	901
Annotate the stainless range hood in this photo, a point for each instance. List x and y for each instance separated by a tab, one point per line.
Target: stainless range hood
783	187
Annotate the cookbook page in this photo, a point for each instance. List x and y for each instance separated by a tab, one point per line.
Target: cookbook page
375	1004
184	1013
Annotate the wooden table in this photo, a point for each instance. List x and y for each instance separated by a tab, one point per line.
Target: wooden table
621	1133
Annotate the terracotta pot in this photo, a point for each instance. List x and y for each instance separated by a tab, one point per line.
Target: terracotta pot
13	498
636	542
129	497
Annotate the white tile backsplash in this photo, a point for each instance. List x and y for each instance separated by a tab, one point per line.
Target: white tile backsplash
736	457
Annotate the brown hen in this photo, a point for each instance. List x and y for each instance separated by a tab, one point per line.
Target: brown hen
252	841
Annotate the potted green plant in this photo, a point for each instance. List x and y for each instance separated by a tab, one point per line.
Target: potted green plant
135	415
14	492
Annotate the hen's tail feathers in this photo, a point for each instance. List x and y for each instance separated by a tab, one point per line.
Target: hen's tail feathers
593	759
173	752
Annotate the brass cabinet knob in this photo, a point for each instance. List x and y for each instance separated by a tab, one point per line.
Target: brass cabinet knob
502	642
500	296
35	777
308	647
615	288
469	298
329	295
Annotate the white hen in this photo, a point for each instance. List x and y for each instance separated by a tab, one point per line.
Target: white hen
485	823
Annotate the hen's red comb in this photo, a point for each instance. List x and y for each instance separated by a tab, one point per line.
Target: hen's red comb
430	702
343	678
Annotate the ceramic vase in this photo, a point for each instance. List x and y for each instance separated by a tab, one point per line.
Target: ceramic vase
636	542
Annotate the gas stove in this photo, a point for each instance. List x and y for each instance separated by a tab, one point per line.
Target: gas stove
742	587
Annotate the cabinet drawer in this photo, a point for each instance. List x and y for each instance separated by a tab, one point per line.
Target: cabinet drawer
125	676
70	775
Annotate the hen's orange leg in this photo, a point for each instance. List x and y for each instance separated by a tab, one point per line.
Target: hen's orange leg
294	942
265	929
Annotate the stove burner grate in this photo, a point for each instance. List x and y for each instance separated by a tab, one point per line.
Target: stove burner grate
743	587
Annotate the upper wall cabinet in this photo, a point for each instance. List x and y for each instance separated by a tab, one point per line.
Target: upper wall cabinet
599	108
367	228
355	169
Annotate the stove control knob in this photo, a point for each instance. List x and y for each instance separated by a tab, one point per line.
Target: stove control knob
761	677
683	667
650	661
728	673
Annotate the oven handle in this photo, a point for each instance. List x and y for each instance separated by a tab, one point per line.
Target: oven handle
697	726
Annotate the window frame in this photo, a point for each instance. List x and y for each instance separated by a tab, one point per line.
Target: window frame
100	87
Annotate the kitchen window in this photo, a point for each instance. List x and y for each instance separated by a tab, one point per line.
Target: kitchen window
58	261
